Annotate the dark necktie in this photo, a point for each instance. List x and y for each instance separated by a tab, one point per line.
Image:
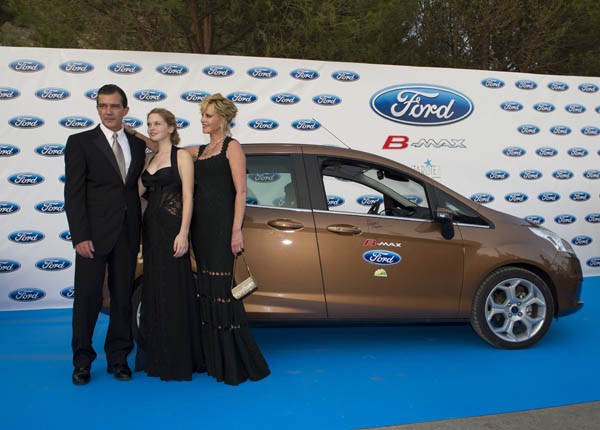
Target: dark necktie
119	155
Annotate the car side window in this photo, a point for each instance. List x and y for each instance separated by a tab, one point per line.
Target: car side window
461	213
270	181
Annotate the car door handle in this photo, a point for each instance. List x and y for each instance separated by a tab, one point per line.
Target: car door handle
344	229
285	224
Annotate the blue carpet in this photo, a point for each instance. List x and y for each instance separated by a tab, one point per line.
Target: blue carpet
322	378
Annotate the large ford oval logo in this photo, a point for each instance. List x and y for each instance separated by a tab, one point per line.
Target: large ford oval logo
218	71
26	236
526	84
132	122
150	95
194	96
558	86
516	197
593	262
27	295
580	196
544	107
125	68
581	240
514	151
92	94
369	199
172	69
68	293
76	67
335	201
52	94
285	99
8	150
562	174
511	106
531	174
588	88
535	219
242	98
26	66
327	100
421	105
549	196
76	122
528	129
7	266
51	150
546	152
264	177
593	218
565	219
345	76
263	124
51	207
482	198
575	108
26	122
591	174
560	130
65	235
9	208
306	124
262	72
53	264
7	93
26	179
382	257
304	74
492	83
590	131
497	175
577	152
182	123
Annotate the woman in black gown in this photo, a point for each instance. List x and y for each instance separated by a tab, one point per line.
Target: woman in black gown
168	322
230	351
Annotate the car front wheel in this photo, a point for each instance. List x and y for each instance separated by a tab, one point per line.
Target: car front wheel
512	309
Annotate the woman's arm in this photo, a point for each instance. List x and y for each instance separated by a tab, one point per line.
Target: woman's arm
237	163
186	173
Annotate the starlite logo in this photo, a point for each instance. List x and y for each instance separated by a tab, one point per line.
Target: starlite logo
304	74
306	125
588	88
345	76
51	150
92	94
516	197
531	175
52	94
514	151
575	108
194	96
593	262
125	68
528	129
492	83
242	98
26	122
526	84
218	71
8	208
369	200
590	131
425	105
593	218
27	295
150	95
182	123
53	264
263	124
76	122
577	152
7	93
265	177
65	235
562	174
591	174
26	179
544	107
482	198
558	86
382	257
285	99
326	100
172	69
8	266
50	207
497	175
8	150
68	293
132	122
26	236
511	106
262	72
581	240
546	152
565	219
580	196
549	196
26	66
560	130
535	219
76	67
335	201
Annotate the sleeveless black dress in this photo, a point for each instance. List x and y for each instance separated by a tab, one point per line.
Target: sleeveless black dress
169	317
230	351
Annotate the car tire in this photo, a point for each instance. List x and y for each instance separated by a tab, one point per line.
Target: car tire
512	308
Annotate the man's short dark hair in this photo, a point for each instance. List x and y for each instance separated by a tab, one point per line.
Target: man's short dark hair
112	89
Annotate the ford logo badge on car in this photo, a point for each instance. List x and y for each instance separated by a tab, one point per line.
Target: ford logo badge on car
381	257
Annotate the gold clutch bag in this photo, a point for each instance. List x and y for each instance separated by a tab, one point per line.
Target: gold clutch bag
244	288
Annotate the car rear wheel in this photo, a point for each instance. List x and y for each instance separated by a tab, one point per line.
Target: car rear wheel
512	309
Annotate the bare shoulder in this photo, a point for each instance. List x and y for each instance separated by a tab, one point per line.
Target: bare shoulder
191	150
234	147
184	156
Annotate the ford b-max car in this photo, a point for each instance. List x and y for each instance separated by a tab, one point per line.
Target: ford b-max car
333	234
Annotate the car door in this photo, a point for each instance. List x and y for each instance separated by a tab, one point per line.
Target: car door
382	255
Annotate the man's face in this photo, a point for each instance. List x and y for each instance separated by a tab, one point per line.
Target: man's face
111	111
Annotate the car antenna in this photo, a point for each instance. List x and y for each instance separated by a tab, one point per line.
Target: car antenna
330	132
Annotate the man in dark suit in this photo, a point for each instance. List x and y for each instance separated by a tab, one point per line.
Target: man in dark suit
102	167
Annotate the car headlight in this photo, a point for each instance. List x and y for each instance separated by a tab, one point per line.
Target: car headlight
559	243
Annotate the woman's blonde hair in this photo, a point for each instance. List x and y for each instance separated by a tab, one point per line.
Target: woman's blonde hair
224	107
169	118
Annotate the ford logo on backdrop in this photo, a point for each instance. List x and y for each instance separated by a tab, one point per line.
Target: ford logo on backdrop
91	94
262	72
345	76
26	66
242	98
575	108
577	152
68	293
562	174
414	199
526	84
53	264
251	201
544	107
497	175
285	99
125	68
264	177
565	219
304	74
581	240
590	130
516	197
580	196
588	88
514	151
560	130
27	295
132	122
535	219
327	100
218	71
52	94
593	262
26	122
549	196
421	105
76	122
65	235
7	266
492	83
546	152
369	199
26	236
150	95
76	67
62	178
8	150
8	208
51	150
26	179
7	93
182	123
591	174
597	109
263	124
381	257
531	174
172	69
194	96
558	86
51	207
482	198
334	201
593	218
511	106
306	124
528	129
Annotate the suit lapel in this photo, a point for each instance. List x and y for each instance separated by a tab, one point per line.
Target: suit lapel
136	161
104	147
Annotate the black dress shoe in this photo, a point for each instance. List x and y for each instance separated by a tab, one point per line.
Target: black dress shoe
81	375
122	372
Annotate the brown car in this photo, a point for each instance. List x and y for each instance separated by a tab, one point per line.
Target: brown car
334	235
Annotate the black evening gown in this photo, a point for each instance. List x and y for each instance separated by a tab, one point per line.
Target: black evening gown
230	351
169	317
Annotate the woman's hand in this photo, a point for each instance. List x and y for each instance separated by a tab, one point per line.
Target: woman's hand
180	245
237	241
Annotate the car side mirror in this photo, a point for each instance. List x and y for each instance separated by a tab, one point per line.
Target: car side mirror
445	218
